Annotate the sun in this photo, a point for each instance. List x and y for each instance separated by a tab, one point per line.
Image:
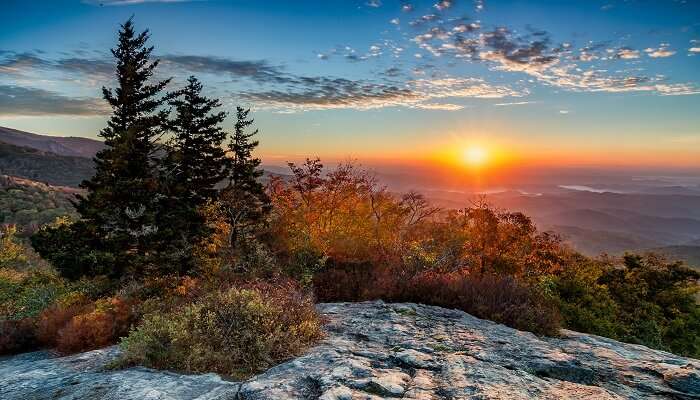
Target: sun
475	156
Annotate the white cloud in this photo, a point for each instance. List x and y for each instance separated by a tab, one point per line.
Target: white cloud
516	103
130	2
661	52
419	93
443	5
628	54
439	106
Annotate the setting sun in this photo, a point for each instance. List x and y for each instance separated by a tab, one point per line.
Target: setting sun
475	156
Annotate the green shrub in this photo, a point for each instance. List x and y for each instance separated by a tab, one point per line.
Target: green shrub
642	299
26	293
237	332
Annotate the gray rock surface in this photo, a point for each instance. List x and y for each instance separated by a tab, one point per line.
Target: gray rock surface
384	351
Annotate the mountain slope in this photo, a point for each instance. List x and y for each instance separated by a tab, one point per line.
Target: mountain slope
377	351
44	166
29	204
63	146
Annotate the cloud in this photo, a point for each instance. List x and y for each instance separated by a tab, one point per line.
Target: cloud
443	5
516	103
325	93
661	52
407	7
131	2
25	101
374	3
258	70
25	63
91	67
627	54
533	53
20	63
439	106
395	21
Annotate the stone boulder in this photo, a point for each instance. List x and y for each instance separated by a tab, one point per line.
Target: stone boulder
374	350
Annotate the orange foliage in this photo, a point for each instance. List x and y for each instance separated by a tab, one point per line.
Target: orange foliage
54	318
84	326
344	214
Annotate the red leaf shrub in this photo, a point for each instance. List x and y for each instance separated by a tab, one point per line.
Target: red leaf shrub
104	325
54	318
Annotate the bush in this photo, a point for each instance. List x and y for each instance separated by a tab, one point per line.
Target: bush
237	332
499	298
74	324
24	294
55	317
17	336
639	299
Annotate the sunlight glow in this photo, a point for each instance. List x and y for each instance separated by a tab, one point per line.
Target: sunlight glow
475	156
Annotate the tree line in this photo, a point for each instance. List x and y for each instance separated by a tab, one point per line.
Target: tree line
163	162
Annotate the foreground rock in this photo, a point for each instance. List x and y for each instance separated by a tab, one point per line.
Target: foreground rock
384	351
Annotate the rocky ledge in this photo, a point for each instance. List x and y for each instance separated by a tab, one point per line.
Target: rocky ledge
375	350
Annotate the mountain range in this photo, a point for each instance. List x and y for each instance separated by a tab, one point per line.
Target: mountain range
63	146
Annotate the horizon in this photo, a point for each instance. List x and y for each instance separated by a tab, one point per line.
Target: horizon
484	91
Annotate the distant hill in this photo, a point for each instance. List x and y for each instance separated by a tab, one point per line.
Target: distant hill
596	242
689	254
63	146
43	166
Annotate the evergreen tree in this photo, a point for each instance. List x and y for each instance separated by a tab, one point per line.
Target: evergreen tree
244	199
195	163
120	210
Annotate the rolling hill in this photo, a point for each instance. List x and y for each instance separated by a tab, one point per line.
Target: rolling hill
63	146
43	166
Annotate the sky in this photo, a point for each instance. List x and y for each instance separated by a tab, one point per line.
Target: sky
462	83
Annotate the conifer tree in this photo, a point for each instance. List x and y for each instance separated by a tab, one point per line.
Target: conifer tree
244	199
120	210
195	164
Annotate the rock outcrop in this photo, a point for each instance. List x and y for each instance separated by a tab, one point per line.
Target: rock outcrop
375	350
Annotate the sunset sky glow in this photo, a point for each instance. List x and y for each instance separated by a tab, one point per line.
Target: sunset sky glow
493	84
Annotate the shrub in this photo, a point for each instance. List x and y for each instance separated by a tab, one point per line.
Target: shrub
17	336
236	332
25	294
502	299
104	325
55	317
639	299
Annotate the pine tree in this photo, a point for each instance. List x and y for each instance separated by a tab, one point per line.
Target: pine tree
244	199
121	207
195	164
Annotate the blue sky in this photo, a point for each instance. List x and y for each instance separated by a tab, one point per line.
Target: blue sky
613	82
